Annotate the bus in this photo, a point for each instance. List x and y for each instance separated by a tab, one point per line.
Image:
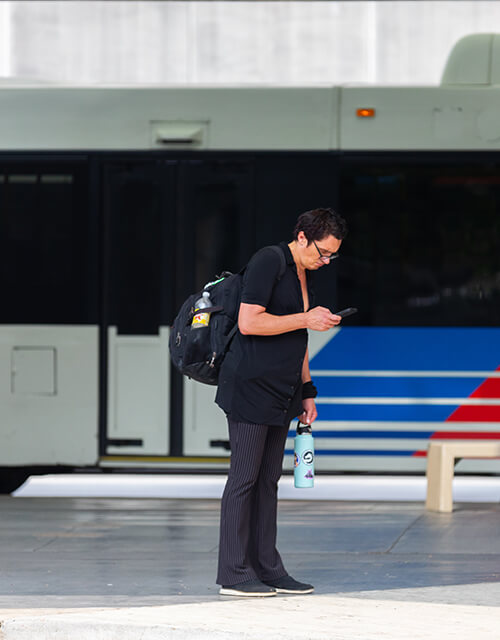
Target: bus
117	202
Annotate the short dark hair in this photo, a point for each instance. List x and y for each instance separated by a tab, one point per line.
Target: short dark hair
319	223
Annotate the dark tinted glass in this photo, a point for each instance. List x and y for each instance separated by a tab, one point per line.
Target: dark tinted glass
423	246
48	245
139	238
286	186
215	221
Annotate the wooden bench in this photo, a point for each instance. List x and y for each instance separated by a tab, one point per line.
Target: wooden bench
441	458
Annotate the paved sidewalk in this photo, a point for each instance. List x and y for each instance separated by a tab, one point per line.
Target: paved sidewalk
72	569
320	617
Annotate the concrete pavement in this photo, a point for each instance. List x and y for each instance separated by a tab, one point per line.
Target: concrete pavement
321	617
144	569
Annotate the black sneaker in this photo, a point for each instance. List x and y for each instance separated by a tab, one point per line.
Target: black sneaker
287	584
248	588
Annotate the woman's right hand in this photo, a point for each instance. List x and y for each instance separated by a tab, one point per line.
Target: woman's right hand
321	319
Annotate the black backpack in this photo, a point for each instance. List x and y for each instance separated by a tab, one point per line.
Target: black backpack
198	353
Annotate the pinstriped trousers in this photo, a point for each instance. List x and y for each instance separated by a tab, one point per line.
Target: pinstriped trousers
247	547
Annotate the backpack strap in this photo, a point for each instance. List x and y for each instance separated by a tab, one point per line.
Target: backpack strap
230	335
279	251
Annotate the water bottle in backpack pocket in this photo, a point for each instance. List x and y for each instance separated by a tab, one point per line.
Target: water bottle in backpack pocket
201	318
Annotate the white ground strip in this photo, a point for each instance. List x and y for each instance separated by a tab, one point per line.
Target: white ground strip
370	488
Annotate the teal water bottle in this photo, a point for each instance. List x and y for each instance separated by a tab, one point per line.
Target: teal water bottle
303	473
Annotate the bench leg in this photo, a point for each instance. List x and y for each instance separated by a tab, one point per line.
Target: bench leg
440	468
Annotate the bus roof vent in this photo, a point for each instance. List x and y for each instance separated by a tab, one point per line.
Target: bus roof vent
474	60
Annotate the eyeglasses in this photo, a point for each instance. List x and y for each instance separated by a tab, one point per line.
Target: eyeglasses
326	259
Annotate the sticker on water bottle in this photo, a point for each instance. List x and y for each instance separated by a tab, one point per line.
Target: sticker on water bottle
296	461
309	475
308	457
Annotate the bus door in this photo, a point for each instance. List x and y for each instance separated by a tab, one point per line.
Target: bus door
216	230
138	200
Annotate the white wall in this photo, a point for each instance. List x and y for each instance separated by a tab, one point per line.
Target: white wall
236	42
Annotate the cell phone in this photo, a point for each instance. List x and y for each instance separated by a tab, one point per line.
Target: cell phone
346	312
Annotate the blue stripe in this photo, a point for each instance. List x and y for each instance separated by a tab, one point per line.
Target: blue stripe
383	412
396	387
356	452
416	349
391	435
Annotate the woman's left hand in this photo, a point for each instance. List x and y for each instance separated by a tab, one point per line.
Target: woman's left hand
309	415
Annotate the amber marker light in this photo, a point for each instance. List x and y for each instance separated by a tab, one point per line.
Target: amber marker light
365	113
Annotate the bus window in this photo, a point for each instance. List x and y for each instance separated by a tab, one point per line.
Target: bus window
423	242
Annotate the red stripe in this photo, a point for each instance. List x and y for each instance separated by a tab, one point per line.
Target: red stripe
475	413
466	435
489	389
419	454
